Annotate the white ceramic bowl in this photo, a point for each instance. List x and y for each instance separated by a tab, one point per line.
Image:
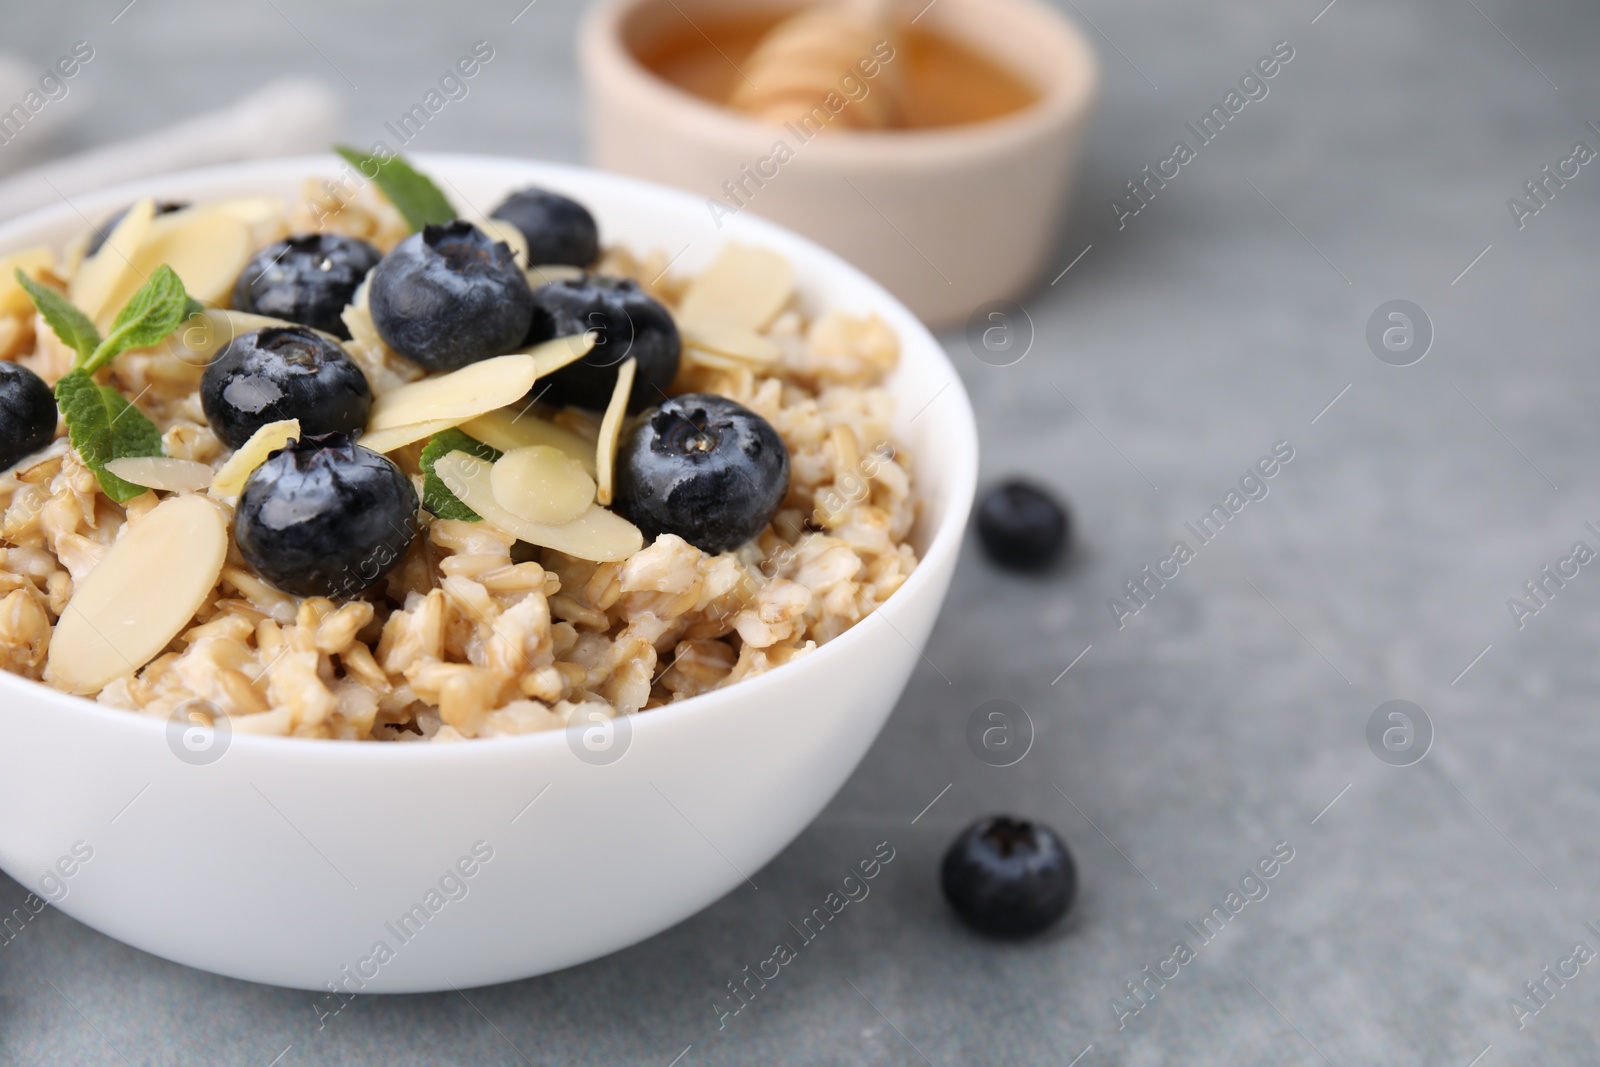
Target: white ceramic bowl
287	861
947	219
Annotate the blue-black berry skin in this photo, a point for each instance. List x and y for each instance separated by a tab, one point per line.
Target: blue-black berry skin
283	372
1022	526
309	279
27	414
558	230
450	296
325	517
1009	877
702	467
629	323
163	207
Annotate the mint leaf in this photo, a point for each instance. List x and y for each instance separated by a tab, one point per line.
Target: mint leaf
414	195
436	496
69	324
103	427
158	308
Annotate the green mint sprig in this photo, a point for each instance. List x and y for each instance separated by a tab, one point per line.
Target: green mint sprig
101	422
103	427
412	193
436	496
69	324
159	307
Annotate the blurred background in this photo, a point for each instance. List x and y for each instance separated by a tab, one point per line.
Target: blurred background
1173	746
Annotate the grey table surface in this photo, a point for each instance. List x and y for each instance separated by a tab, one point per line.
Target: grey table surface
1227	715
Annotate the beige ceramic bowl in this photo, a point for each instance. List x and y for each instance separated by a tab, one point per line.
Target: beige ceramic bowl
947	219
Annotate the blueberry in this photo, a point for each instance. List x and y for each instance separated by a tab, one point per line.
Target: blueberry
450	296
629	322
702	467
163	207
283	372
27	414
1021	526
325	517
308	279
1008	877
558	230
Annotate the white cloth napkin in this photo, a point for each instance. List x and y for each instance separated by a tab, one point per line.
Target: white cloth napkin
283	118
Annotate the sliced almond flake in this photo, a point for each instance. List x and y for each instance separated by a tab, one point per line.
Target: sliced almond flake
104	271
249	209
239	322
141	594
162	472
463	394
252	454
267	217
710	359
605	455
557	352
385	370
14	299
541	484
545	273
206	334
735	342
515	239
400	436
745	288
358	320
73	255
408	401
264	218
207	250
512	428
598	535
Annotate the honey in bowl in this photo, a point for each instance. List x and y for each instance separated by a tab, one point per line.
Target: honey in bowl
933	80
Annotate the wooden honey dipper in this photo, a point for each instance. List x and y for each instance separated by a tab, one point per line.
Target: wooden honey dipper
821	50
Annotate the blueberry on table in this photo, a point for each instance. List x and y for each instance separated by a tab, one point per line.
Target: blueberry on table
558	230
309	279
163	207
1008	877
630	324
1022	526
283	372
27	414
325	517
702	467
450	296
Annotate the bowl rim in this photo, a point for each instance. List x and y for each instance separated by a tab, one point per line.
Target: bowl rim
1063	103
943	545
